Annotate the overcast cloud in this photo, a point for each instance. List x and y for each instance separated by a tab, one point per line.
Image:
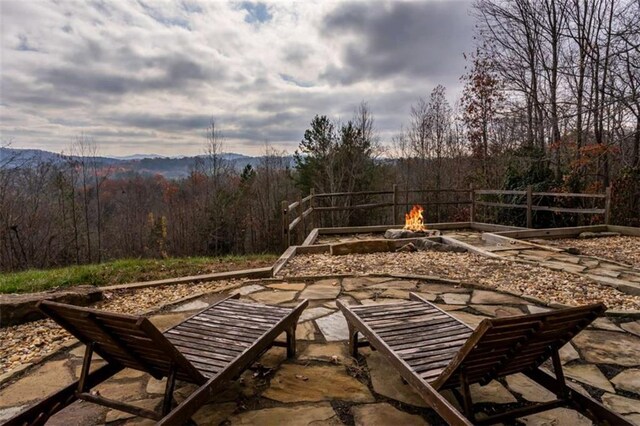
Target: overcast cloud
147	76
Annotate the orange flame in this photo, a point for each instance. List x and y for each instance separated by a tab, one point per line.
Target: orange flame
413	219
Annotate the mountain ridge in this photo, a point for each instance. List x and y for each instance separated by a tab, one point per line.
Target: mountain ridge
144	164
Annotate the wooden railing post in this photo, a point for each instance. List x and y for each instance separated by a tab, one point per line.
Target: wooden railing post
312	193
395	204
285	224
302	221
529	206
472	210
607	205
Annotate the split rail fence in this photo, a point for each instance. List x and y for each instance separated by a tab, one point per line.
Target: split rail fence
306	213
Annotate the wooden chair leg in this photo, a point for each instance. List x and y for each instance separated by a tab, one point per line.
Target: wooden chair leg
291	342
353	341
86	367
557	369
466	397
168	392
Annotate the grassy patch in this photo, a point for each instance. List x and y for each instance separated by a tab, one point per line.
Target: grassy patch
126	271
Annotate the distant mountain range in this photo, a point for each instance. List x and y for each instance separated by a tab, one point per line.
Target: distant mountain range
144	164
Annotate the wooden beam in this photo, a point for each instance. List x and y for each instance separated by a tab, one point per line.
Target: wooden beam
553	232
471	248
624	230
529	206
284	258
499	192
313	249
311	238
507	241
567	210
491	227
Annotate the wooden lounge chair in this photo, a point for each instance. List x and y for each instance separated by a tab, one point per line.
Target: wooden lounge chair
434	351
208	349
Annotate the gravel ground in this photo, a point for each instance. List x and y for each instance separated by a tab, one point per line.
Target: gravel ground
622	249
25	343
545	284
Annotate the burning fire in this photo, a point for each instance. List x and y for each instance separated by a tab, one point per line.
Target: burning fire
413	219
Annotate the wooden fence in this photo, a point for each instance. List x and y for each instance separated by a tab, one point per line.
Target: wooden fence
303	215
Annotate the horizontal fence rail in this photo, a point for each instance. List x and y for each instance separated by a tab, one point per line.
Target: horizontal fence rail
303	214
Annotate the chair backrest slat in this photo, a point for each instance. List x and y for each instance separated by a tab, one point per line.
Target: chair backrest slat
509	345
127	340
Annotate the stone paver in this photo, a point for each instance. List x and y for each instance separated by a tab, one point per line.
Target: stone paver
387	382
191	306
384	414
312	313
43	381
568	353
396	293
298	383
333	327
556	417
589	374
604	324
7	413
621	404
78	413
606	347
155	386
497	310
632	327
359	283
396	284
165	321
324	289
441	288
288	286
214	414
471	320
120	391
273	297
381	301
455	298
493	392
628	380
305	331
294	416
528	389
429	297
484	297
247	289
330	352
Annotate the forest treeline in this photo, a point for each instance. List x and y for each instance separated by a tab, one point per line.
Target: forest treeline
551	99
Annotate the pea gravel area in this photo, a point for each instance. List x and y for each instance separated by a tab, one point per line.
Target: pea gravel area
522	278
623	249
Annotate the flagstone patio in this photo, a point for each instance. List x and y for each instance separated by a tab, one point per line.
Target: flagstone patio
324	386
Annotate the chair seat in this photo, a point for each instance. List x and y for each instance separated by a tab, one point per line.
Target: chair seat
423	336
215	337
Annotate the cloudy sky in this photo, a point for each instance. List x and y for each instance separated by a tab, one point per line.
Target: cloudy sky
147	76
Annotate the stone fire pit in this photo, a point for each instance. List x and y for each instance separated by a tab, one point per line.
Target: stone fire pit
395	234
